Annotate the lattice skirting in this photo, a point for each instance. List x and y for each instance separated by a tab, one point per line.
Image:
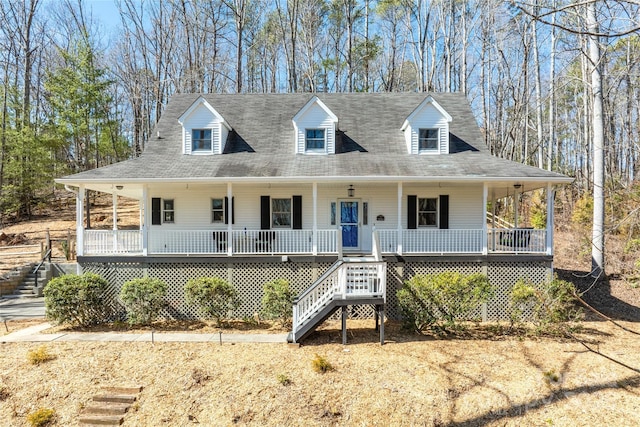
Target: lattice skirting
249	277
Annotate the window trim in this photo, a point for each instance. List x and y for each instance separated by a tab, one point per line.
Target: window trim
436	149
165	211
220	209
436	212
324	140
195	150
273	224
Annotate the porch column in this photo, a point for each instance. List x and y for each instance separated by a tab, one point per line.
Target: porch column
485	192
399	249
144	219
115	221
314	237
550	219
80	221
229	221
493	219
516	206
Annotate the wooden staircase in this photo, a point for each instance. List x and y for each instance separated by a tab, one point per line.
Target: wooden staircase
347	282
359	280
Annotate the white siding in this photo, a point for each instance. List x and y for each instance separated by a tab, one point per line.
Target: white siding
465	203
193	205
202	118
316	118
429	117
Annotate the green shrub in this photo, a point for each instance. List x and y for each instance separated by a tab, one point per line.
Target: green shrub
553	304
78	300
214	297
143	299
440	301
321	364
277	302
41	418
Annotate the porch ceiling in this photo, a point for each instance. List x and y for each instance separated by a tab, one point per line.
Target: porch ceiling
497	189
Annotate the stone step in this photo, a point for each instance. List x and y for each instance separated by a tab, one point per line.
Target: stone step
106	408
101	420
115	398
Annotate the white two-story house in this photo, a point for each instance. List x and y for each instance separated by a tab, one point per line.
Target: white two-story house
256	187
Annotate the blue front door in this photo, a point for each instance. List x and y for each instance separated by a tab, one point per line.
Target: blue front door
349	223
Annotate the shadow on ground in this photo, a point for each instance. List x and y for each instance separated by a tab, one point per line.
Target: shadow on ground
600	296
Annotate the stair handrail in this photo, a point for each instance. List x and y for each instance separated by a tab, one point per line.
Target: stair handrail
321	279
503	223
35	270
296	313
331	284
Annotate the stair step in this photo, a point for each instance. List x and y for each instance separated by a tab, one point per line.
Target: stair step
115	398
106	408
102	420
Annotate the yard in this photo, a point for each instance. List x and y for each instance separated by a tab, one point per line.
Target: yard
484	378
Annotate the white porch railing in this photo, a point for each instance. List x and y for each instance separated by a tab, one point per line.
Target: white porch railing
97	242
343	280
188	242
517	240
245	242
272	241
441	241
285	242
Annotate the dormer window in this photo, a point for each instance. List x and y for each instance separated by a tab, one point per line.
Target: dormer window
426	129
428	139
201	140
204	130
315	140
315	128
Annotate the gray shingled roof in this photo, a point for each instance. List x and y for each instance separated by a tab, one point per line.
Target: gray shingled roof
370	143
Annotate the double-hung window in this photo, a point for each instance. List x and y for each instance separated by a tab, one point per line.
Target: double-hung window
428	212
281	213
315	140
168	212
428	140
201	140
217	211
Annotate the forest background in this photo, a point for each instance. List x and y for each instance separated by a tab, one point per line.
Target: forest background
76	95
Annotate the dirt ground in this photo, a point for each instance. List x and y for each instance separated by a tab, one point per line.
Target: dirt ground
411	380
484	378
61	224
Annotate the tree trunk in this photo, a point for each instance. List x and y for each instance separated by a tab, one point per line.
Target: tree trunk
597	245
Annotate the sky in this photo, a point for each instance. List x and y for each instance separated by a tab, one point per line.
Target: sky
105	12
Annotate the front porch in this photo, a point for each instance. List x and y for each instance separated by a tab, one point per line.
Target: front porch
408	219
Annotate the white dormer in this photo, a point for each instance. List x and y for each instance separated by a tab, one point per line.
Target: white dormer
426	130
315	128
204	130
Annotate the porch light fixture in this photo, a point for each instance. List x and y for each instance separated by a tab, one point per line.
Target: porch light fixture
119	187
351	191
